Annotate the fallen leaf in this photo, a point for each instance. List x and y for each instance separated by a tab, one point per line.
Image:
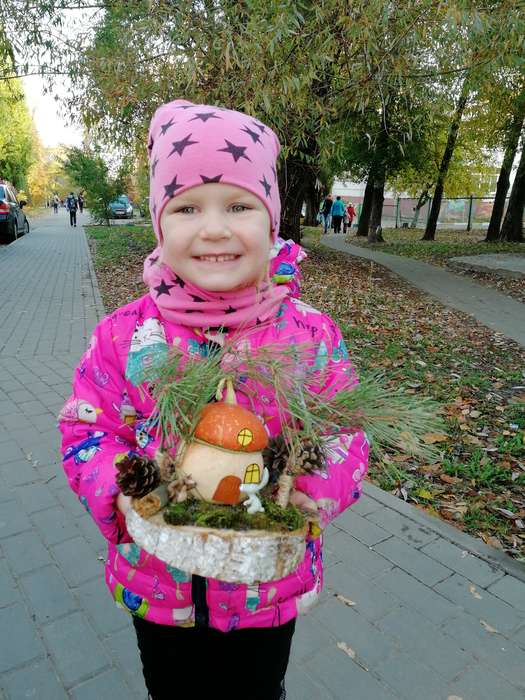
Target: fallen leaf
475	593
510	515
347	650
351	653
491	540
424	493
431	438
488	627
449	479
344	600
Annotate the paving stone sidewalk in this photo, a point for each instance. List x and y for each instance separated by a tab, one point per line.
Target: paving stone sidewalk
492	308
412	607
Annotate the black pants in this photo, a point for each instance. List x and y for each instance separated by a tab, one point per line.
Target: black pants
73	217
248	663
337	223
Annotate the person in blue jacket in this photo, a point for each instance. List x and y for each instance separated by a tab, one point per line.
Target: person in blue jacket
338	211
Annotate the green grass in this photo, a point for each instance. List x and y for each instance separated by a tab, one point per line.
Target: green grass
478	469
477	519
448	244
115	244
513	445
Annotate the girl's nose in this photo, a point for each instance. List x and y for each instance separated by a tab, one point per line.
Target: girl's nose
215	226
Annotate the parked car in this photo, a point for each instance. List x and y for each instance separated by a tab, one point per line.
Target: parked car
13	221
121	208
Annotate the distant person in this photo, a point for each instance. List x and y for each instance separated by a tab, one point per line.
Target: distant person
326	211
72	206
56	202
349	217
338	211
80	200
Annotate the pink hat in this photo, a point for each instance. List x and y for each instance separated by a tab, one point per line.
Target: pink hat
190	145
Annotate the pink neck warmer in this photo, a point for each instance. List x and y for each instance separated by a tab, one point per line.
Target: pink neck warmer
190	145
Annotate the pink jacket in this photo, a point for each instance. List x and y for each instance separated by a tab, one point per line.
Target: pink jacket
107	416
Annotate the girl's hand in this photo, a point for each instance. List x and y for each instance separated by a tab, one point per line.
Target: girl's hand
123	503
303	502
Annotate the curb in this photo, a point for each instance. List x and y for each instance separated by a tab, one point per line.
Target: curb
490	555
99	305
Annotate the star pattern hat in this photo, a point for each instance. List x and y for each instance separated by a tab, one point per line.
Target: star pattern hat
191	145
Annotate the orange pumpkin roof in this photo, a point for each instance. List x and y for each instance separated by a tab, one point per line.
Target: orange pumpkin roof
231	427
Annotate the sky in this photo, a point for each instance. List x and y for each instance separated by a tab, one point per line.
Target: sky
51	124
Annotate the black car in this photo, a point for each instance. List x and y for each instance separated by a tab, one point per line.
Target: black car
13	222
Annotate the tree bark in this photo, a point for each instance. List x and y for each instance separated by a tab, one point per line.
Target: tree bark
313	202
423	199
378	197
294	179
366	207
430	231
502	188
512	227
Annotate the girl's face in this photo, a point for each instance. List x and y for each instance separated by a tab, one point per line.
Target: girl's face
216	236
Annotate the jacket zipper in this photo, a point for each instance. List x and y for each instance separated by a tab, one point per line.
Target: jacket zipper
198	596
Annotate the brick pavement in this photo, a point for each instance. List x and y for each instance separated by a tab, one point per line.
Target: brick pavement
411	608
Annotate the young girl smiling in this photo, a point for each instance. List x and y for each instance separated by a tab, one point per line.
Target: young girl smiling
215	210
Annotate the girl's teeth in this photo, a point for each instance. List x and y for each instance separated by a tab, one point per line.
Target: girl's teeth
217	258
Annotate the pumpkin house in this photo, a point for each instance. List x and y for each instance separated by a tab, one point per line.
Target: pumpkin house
224	457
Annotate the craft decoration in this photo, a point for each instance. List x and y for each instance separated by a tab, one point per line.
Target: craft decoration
224	457
216	501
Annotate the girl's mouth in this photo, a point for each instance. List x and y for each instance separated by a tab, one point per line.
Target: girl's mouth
217	258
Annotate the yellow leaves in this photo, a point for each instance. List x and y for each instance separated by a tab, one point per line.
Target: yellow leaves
425	494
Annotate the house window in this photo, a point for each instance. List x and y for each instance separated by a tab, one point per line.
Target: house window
244	437
252	475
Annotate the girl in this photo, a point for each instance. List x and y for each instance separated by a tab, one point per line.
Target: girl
215	209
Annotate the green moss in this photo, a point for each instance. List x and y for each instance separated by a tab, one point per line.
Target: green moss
203	514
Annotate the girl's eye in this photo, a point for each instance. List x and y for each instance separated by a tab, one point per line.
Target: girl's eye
185	210
239	207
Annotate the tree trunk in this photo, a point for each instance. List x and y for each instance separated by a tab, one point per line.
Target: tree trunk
313	203
504	176
378	197
512	228
366	207
423	199
294	179
430	231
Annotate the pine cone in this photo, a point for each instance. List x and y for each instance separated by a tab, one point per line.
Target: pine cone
275	457
311	457
137	476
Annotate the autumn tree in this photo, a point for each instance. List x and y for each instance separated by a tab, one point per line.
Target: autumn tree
512	227
17	135
509	135
88	170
